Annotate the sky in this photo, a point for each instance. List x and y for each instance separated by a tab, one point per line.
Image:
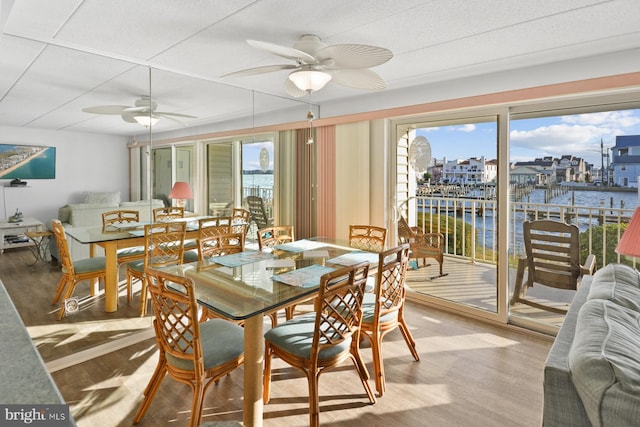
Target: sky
577	135
251	155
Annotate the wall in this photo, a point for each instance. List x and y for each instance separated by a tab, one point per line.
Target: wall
353	204
84	162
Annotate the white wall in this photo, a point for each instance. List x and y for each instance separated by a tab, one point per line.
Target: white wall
84	162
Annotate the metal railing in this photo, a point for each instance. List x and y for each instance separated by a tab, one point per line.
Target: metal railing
470	226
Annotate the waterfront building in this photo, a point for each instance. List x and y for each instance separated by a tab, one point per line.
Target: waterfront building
546	166
471	171
626	161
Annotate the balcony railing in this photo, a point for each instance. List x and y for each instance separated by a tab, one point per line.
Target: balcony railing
470	226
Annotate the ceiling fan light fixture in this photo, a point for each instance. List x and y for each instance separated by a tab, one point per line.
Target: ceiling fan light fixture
146	120
309	80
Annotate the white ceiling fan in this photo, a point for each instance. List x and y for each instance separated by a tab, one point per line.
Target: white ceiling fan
143	112
316	64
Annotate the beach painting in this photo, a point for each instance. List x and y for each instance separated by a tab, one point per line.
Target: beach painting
27	162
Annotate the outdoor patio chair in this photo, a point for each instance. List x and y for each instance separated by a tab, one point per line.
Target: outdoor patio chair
422	245
258	212
552	259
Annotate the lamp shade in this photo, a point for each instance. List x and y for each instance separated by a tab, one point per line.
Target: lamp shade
181	190
309	80
146	120
629	244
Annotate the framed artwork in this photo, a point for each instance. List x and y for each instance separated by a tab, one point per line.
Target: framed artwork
27	162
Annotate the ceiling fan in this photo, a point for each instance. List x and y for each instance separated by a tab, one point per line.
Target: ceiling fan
143	112
317	63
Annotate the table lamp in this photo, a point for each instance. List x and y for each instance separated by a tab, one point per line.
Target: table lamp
629	243
180	192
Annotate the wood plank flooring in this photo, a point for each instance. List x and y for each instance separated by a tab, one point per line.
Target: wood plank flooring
470	373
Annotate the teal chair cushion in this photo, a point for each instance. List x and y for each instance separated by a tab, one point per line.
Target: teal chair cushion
138	250
190	256
136	265
221	341
368	311
88	265
296	336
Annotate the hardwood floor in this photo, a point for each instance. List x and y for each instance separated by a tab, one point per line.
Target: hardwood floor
471	373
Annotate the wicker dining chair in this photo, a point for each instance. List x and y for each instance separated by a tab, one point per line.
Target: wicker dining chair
210	226
269	237
367	237
321	340
383	310
73	271
194	353
123	216
241	217
163	245
168	213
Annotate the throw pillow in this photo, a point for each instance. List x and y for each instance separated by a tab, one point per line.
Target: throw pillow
101	197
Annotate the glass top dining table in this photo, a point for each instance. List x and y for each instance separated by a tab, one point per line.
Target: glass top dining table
114	237
247	285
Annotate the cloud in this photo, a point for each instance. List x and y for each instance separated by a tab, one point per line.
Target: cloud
470	127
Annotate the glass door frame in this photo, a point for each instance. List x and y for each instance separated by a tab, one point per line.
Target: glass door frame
398	130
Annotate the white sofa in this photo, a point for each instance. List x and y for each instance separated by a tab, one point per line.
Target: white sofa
90	213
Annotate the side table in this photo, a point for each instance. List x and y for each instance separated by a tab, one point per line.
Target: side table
40	241
12	234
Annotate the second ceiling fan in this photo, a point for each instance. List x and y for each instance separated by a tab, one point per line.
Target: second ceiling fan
317	63
144	111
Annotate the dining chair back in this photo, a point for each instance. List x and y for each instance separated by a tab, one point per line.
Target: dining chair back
163	246
192	353
220	244
123	216
73	271
207	227
258	213
119	217
168	213
269	237
383	310
241	218
317	341
367	237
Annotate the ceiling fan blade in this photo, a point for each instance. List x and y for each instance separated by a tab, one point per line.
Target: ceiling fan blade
260	70
353	56
283	51
359	79
106	109
128	117
293	90
136	109
165	114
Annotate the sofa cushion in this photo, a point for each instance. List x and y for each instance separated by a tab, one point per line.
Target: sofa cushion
605	362
617	283
64	213
101	197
